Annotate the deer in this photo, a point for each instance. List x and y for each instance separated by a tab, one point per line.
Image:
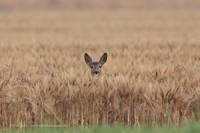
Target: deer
95	66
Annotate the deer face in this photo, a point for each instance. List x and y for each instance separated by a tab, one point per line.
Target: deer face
95	66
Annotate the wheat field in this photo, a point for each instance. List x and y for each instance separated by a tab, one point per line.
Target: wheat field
152	74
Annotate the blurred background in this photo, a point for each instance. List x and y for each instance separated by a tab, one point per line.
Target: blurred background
98	5
99	22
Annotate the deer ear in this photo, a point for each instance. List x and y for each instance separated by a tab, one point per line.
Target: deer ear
88	59
103	59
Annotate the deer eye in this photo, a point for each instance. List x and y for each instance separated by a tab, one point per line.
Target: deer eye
99	66
91	67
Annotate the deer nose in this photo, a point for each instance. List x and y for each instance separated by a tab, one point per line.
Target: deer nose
96	72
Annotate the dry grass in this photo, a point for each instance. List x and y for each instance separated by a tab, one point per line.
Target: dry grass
152	74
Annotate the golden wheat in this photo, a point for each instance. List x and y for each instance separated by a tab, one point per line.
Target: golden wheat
152	74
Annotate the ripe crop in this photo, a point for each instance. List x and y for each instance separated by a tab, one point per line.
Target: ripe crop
152	73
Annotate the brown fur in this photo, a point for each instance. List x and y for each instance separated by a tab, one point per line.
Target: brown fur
95	66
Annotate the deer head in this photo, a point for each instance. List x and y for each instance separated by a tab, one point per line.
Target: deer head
95	66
